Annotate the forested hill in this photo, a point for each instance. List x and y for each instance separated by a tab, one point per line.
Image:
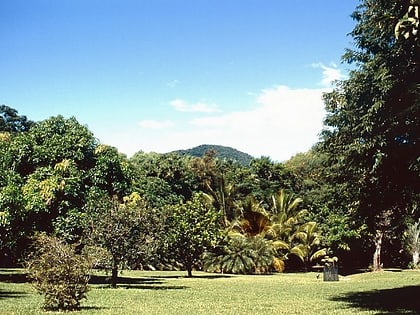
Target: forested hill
223	152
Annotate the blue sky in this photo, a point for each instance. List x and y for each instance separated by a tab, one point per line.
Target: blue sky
161	75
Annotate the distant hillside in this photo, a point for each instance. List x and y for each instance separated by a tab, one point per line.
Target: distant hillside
227	153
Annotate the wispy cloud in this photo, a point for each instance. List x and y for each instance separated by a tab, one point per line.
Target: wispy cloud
329	73
183	106
155	124
173	83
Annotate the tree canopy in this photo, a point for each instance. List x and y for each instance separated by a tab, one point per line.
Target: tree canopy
372	126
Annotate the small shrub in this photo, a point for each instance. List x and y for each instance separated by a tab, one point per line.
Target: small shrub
58	272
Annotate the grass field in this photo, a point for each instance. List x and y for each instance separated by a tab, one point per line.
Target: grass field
150	292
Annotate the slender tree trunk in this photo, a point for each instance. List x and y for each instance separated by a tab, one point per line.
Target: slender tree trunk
114	274
377	254
188	265
416	258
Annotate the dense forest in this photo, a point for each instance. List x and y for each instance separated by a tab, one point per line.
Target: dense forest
222	152
354	195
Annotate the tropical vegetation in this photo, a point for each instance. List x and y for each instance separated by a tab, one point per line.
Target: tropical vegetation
354	195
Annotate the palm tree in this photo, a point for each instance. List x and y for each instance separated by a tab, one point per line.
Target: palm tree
286	215
307	248
242	255
254	220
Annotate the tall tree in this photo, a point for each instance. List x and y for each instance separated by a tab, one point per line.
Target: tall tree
373	127
193	228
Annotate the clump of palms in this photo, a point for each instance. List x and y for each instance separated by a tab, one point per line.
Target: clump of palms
260	241
241	255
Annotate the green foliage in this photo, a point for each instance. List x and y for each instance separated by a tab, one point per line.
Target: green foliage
11	121
46	174
326	193
372	125
56	139
270	177
124	228
163	178
241	255
58	272
111	171
221	152
192	229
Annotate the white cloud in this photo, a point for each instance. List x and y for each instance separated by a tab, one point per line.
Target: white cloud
155	124
183	106
329	74
284	122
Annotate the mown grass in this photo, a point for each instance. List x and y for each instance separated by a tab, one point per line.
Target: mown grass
147	292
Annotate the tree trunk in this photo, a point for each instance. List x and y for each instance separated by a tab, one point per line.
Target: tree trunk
189	270
416	259
377	254
188	264
114	274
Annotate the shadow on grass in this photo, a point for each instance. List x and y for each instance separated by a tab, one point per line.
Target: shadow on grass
200	276
152	283
95	279
404	300
11	294
13	277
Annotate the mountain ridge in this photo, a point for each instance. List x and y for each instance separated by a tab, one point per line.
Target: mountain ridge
222	152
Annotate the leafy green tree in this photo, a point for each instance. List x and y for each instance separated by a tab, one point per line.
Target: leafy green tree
125	229
12	122
111	171
327	195
287	214
41	167
57	138
270	177
193	228
163	178
372	126
50	193
45	178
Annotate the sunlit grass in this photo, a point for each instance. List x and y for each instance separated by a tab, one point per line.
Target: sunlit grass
156	292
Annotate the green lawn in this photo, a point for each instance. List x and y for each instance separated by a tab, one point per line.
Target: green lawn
388	292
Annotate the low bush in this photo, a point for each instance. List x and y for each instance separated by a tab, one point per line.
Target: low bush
58	272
